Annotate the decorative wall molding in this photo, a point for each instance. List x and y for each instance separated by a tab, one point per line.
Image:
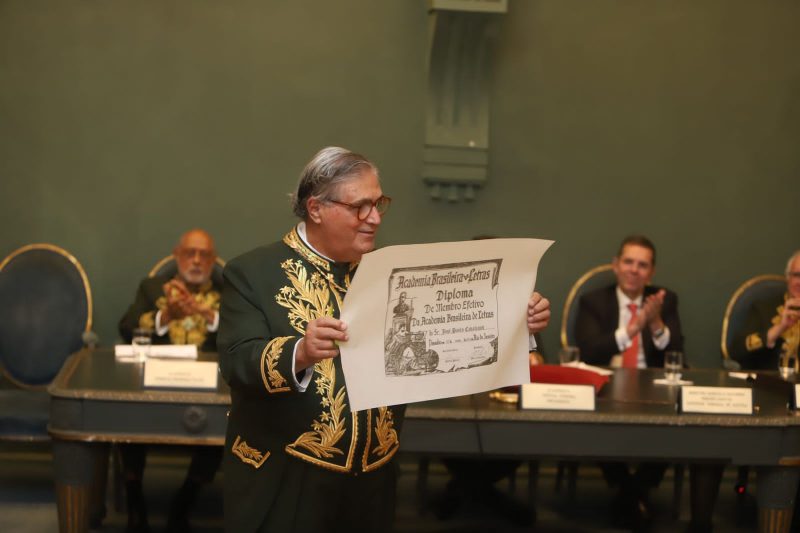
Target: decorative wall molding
456	152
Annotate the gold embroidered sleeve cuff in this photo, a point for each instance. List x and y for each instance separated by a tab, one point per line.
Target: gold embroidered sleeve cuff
275	358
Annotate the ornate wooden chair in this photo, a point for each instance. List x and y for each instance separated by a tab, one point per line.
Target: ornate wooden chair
766	286
763	287
594	278
45	315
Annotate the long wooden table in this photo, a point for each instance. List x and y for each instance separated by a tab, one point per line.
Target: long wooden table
96	401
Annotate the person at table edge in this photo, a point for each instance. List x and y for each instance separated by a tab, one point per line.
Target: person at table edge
771	326
632	324
182	309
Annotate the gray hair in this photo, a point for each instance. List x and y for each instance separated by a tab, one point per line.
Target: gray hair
326	170
791	260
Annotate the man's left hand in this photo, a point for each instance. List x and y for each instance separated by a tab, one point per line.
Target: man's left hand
652	310
538	313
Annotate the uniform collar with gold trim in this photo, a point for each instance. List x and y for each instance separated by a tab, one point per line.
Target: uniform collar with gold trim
296	242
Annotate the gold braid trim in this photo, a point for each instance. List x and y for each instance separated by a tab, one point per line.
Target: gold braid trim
273	380
388	443
293	241
248	454
329	428
308	298
326	464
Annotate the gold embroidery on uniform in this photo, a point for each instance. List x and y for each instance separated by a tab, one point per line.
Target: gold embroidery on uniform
384	430
307	299
148	320
293	241
791	337
305	303
191	329
273	380
388	443
247	454
329	428
753	342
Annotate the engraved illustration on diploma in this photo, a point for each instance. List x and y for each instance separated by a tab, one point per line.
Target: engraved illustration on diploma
441	318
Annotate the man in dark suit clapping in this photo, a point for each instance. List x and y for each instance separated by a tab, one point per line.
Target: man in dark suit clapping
632	324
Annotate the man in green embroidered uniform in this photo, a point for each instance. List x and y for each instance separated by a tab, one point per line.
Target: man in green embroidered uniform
771	326
296	457
183	309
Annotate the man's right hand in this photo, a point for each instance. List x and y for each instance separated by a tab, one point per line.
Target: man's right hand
319	342
652	308
650	313
791	313
179	301
789	317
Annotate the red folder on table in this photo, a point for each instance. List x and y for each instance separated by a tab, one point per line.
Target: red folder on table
567	375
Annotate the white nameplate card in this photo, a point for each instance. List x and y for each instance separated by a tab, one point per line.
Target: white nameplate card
717	400
796	398
180	374
558	397
166	351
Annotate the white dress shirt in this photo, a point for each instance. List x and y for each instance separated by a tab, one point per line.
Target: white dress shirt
161	329
621	334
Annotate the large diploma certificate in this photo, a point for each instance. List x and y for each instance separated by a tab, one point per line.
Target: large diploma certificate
438	320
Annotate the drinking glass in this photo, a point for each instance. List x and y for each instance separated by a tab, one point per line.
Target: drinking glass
142	338
787	364
673	365
569	355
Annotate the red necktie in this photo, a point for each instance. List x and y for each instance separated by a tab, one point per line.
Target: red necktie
630	357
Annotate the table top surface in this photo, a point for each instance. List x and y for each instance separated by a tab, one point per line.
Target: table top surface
631	396
98	375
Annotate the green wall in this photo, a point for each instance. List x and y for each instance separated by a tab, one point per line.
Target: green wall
123	123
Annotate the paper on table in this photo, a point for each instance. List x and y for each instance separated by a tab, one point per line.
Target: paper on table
742	375
664	381
591	368
167	351
438	320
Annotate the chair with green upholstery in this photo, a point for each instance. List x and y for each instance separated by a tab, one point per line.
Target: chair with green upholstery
594	278
45	315
758	288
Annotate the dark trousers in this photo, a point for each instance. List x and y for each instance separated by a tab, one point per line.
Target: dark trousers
646	476
204	465
313	499
704	480
480	471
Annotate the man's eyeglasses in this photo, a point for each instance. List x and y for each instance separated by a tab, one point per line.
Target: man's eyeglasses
363	209
190	253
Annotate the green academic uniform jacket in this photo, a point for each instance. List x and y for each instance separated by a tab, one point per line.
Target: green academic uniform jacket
750	344
189	330
270	294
